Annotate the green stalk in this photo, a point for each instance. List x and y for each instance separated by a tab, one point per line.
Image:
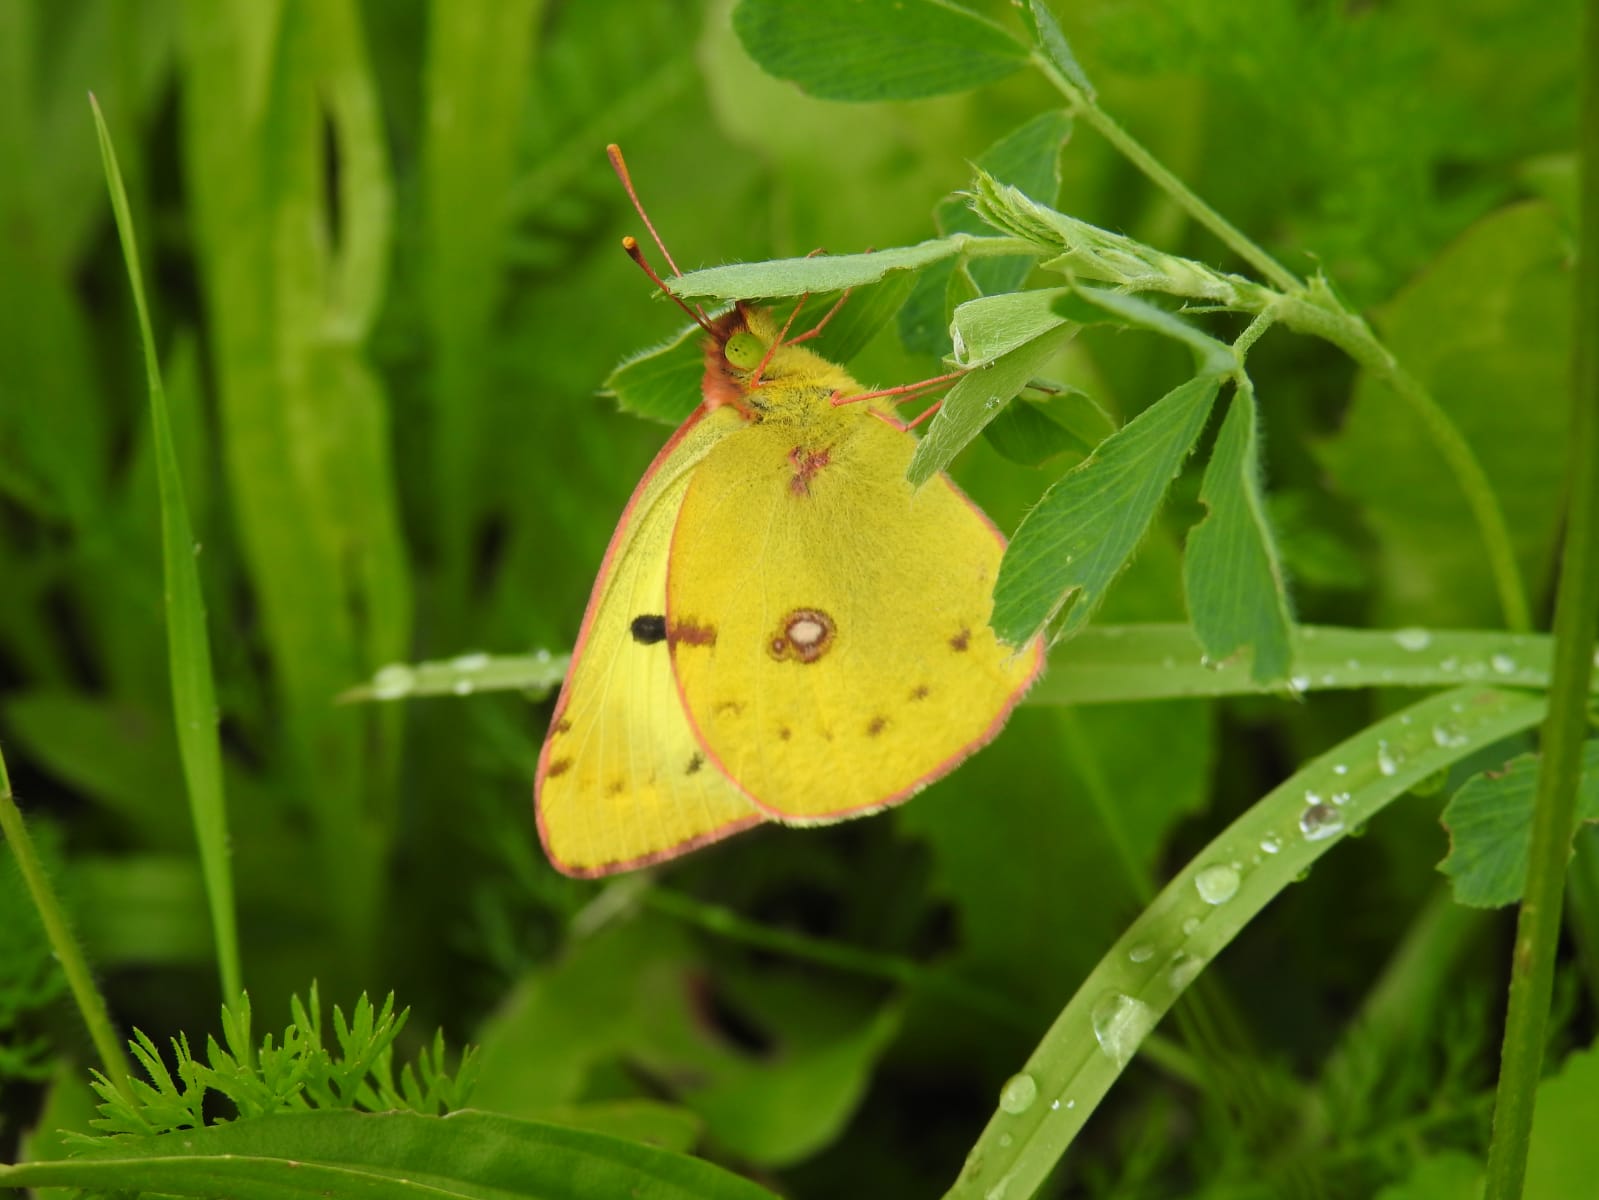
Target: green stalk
1566	727
67	951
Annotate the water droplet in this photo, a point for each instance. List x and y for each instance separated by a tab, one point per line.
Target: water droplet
1387	763
1183	969
470	662
1353	664
1216	885
1120	1023
997	1192
1054	1106
1449	664
1474	670
1018	1094
197	548
1503	663
1447	733
1328	679
1142	952
463	687
1005	1140
542	656
1191	926
1271	843
1299	684
1412	639
991	403
393	681
1339	798
1340	769
1319	822
1071	1104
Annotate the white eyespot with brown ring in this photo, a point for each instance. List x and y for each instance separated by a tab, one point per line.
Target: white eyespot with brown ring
803	636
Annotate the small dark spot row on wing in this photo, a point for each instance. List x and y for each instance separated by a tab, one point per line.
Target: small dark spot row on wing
920	692
876	726
648	628
558	766
961	641
730	708
694	763
784	733
616	787
563	726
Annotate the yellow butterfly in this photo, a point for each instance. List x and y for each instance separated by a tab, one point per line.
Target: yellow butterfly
782	629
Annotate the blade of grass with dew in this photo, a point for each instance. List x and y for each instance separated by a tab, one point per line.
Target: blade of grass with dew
1258	856
194	705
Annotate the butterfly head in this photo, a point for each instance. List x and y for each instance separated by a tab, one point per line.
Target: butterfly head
751	364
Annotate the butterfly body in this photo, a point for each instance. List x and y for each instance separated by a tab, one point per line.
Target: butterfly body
783	628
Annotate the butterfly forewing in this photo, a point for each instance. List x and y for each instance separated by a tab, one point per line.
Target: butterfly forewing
828	624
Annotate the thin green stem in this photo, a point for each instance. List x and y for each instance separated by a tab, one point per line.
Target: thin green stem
1566	727
1157	172
67	951
1321	316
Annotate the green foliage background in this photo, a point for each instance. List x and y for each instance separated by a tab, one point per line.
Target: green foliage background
380	241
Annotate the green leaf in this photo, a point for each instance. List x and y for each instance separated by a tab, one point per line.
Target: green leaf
1047	34
1025	432
848	50
825	272
1488	319
1234	581
1562	1153
662	383
388	1156
1490	828
1088	524
991	326
975	400
1150	661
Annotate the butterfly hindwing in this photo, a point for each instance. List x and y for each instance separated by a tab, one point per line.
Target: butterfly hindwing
622	780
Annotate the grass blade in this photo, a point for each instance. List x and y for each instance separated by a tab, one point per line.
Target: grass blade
194	706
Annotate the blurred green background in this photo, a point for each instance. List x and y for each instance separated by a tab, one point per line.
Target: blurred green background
381	241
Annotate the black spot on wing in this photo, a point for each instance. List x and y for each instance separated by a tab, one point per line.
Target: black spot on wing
648	629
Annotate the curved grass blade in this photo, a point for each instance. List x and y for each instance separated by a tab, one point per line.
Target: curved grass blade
1258	856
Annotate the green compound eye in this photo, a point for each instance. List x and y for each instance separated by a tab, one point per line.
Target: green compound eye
744	350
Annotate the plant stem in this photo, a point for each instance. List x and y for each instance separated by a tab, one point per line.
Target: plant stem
1321	316
1234	238
1566	727
67	951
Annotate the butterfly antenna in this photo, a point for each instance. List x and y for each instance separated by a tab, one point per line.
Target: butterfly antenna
636	253
619	165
